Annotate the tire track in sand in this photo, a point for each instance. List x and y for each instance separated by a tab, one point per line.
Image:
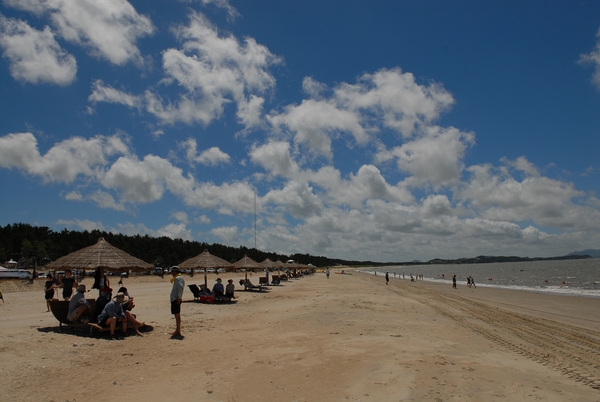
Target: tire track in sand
572	350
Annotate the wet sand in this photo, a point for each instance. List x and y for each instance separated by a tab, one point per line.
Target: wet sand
347	338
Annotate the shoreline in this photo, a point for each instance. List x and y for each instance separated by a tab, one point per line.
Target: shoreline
347	338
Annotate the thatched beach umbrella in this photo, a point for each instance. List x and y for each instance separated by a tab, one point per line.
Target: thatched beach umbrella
247	263
204	260
100	255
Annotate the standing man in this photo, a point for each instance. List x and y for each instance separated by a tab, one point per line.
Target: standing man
68	283
327	272
387	278
176	299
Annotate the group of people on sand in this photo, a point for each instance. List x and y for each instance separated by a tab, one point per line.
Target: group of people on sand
108	311
112	311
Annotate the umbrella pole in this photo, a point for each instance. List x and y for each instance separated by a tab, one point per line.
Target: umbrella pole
205	280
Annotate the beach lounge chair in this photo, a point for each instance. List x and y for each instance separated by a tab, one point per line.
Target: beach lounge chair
252	287
263	280
275	280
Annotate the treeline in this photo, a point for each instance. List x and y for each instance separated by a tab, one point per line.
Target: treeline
31	245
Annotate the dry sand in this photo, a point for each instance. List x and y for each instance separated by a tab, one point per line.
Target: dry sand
347	338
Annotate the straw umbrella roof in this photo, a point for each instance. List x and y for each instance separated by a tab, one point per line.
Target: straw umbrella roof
204	260
247	263
267	263
100	255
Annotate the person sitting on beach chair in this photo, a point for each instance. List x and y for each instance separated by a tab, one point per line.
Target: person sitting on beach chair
230	289
128	305
218	289
78	306
113	313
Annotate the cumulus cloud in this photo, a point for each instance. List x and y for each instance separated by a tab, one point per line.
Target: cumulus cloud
497	194
108	29
593	59
297	199
275	157
210	71
227	234
35	56
435	158
386	100
210	157
64	161
315	123
214	70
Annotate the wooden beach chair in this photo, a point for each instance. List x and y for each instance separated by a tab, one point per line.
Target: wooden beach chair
249	286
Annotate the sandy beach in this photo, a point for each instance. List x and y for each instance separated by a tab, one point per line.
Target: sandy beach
347	338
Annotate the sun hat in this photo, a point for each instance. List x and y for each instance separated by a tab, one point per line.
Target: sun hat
81	288
119	297
175	270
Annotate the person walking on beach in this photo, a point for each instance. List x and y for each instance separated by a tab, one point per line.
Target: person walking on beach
454	282
176	299
387	278
327	272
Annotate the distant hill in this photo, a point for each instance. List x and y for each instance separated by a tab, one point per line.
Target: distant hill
594	253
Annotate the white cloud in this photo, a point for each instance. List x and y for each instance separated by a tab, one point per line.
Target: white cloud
297	199
387	99
212	157
104	93
593	59
64	161
35	56
395	99
214	71
494	193
435	158
107	28
315	123
139	181
81	224
275	157
232	13
227	234
175	231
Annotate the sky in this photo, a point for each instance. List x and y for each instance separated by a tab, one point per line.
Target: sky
352	129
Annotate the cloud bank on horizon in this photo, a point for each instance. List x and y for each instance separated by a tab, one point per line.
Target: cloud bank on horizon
215	121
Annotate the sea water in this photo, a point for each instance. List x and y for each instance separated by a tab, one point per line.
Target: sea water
571	277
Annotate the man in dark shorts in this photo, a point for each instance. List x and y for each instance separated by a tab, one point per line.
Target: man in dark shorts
176	299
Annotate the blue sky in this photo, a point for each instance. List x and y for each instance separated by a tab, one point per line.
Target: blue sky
369	130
